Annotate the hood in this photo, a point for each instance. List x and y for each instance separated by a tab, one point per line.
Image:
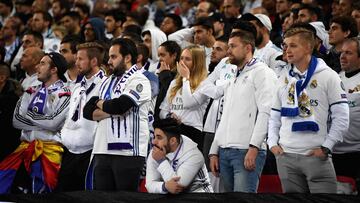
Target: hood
99	28
321	33
157	38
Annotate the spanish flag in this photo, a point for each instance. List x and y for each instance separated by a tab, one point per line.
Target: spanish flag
41	160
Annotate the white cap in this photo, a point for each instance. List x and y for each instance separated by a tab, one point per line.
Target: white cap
321	33
265	20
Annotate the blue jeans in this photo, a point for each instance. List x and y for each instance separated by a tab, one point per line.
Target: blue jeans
233	173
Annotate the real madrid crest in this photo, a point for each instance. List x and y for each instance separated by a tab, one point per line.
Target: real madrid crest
139	88
52	98
313	84
291	94
304	106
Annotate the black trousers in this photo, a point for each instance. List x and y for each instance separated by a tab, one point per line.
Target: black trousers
348	165
73	171
116	172
208	139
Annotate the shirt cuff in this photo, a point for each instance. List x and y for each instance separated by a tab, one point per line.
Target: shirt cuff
164	188
329	144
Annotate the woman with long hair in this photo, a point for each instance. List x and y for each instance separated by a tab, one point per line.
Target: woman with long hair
169	55
183	100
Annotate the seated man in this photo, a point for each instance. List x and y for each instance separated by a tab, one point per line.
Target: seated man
175	164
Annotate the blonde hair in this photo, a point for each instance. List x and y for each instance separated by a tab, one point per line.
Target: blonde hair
198	72
304	34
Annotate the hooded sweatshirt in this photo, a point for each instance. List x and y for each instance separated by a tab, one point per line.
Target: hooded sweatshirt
98	27
186	162
157	38
327	100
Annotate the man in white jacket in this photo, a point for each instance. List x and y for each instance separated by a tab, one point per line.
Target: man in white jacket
238	149
78	133
175	164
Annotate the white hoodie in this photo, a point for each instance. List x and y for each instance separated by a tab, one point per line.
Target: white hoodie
187	162
247	108
157	38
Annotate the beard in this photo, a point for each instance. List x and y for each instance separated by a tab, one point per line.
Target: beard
166	147
236	61
258	40
119	69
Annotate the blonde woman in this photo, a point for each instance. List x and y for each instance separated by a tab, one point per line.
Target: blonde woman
183	100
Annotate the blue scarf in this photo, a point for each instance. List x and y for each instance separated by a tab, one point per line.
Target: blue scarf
38	103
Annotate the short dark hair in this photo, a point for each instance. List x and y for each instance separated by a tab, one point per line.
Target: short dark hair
144	51
83	7
37	36
73	15
117	15
173	48
46	16
64	4
93	50
133	28
74	40
205	22
170	127
127	47
347	23
133	36
313	10
245	26
246	37
177	20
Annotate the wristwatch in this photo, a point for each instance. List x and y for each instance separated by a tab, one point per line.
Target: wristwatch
326	150
184	79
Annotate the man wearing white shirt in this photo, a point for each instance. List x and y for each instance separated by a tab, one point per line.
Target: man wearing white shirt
238	149
266	51
175	164
310	97
28	62
122	108
78	133
346	152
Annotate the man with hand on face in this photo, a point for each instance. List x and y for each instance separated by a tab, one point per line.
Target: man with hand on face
175	164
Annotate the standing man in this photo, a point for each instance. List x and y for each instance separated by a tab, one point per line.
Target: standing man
238	149
309	98
175	164
28	62
40	114
78	133
122	136
68	50
349	150
266	51
41	22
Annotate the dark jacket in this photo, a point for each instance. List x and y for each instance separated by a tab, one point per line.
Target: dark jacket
165	78
10	137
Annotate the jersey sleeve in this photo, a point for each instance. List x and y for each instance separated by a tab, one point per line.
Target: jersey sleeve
335	90
54	120
138	89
